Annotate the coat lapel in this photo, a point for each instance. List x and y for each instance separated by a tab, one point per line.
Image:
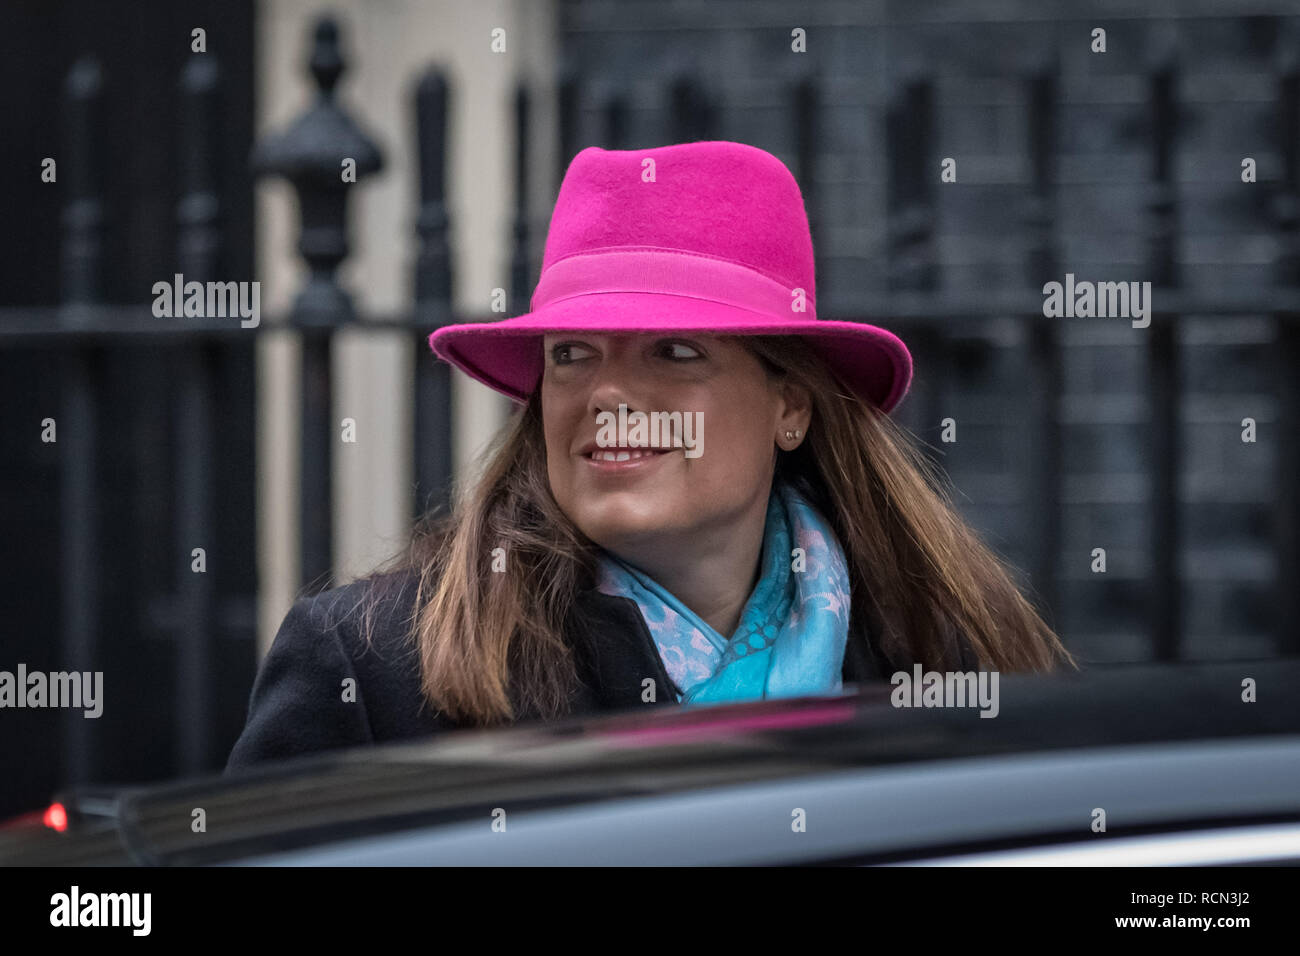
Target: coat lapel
616	653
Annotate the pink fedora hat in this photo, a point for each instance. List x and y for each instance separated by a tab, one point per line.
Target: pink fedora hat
710	237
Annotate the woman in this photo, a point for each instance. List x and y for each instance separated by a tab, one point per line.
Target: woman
702	499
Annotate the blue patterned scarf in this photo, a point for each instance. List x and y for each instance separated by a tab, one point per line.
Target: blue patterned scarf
793	629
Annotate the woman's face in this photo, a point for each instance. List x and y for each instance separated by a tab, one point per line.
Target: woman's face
701	476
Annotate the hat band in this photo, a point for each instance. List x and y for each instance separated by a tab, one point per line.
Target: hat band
665	272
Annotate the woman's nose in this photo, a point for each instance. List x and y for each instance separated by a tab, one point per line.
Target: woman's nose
615	382
608	395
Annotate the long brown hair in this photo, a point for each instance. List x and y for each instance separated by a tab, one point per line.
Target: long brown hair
493	644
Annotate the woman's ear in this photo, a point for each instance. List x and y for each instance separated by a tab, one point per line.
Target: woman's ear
794	415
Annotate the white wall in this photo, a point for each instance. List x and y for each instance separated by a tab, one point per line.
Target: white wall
387	44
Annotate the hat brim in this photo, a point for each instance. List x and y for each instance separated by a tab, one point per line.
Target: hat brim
507	355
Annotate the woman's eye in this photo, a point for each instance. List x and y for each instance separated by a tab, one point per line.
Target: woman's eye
680	350
567	352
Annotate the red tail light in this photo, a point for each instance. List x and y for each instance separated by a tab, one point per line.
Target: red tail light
56	817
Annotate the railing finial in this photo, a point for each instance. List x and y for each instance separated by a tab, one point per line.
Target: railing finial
321	153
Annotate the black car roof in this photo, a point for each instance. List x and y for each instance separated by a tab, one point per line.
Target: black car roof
660	751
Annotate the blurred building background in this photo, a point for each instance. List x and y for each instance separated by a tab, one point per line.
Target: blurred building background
1071	434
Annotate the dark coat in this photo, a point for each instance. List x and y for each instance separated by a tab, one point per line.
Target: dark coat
297	705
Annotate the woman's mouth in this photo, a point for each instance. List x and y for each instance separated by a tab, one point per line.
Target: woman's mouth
624	454
623	459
